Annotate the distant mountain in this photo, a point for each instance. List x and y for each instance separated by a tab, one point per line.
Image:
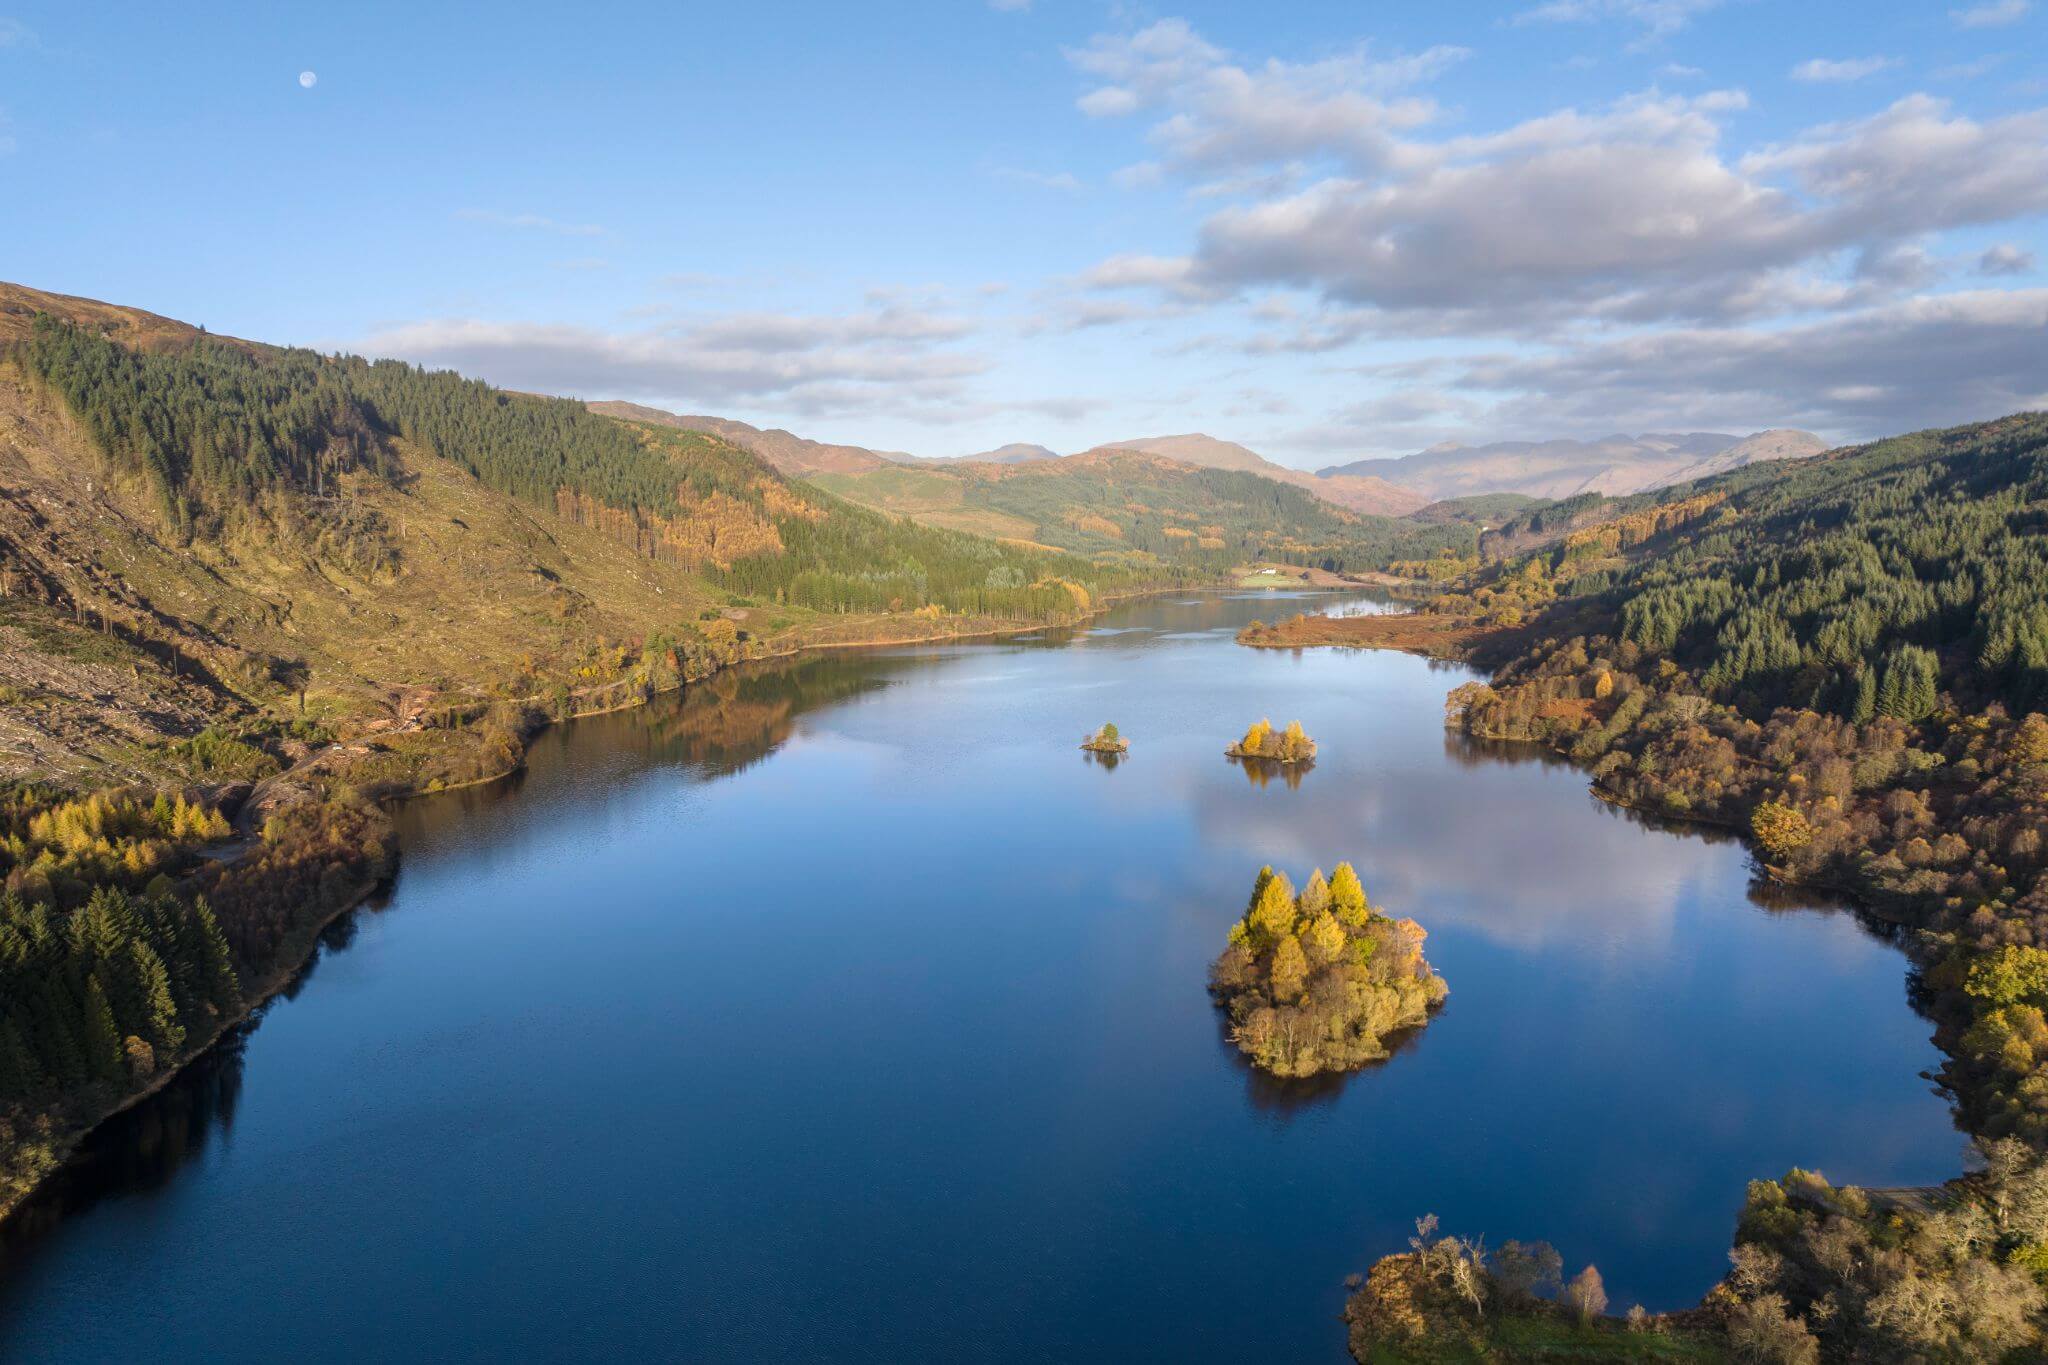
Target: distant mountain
1197	449
1613	465
1779	443
789	453
1373	495
1017	452
1131	506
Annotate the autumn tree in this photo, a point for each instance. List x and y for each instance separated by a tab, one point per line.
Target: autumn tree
1780	829
1347	897
1586	1295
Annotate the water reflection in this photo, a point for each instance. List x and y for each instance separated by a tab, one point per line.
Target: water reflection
1102	758
1260	772
139	1150
1290	1098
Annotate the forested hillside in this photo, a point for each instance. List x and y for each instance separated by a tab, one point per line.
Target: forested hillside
233	529
1861	583
1845	657
217	428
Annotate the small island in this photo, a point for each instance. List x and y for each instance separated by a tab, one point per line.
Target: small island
1315	982
1263	743
1106	741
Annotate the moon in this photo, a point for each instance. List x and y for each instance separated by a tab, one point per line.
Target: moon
307	80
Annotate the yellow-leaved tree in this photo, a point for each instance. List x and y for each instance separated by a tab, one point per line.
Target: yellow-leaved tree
1347	897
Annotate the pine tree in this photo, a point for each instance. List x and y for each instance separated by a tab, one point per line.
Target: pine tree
1323	940
1864	707
1347	898
158	1020
1273	916
102	1039
20	1077
57	1039
215	964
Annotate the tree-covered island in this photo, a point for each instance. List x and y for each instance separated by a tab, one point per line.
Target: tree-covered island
1107	740
1315	982
1263	743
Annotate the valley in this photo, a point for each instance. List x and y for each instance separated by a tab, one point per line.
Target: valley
305	593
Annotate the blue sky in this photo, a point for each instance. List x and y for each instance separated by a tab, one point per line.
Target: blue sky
1326	230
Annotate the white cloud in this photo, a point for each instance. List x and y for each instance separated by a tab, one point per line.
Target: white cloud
1064	181
535	221
891	357
1971	70
1821	69
1633	213
1139	176
1994	14
1915	167
1560	210
1167	274
2005	259
1916	363
1109	101
1644	273
1216	113
14	33
1656	17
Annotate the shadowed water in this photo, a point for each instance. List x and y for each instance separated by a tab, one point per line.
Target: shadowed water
849	1011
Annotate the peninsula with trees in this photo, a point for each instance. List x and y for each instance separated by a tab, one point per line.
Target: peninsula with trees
1317	980
1842	658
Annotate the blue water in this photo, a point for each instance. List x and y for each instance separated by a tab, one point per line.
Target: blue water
847	1011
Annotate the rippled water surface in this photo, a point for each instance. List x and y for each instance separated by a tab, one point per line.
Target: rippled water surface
849	1011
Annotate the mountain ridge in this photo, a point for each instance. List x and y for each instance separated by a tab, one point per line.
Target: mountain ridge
1368	494
1613	465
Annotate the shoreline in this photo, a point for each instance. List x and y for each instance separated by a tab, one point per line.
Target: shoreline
65	1146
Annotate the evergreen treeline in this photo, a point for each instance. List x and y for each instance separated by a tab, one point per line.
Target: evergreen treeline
104	993
1860	584
217	423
